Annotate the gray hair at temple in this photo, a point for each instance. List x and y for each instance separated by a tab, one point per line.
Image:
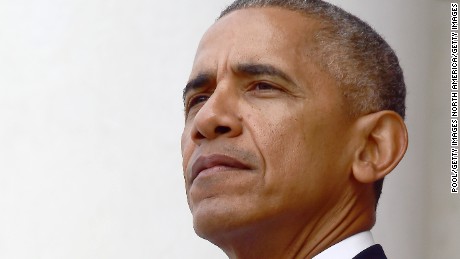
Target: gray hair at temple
365	66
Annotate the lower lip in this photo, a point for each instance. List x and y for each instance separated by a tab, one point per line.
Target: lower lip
216	170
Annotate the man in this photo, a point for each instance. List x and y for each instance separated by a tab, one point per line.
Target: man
294	115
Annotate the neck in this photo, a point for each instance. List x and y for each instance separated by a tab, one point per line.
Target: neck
298	236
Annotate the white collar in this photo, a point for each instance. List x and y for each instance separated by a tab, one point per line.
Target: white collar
349	247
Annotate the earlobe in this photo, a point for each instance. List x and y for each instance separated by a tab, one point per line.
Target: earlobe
382	138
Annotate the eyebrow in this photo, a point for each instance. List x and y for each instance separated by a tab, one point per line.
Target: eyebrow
200	81
262	69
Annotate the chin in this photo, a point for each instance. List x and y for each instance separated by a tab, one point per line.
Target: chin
211	217
215	219
222	220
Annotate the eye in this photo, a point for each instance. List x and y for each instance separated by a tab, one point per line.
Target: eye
264	87
196	100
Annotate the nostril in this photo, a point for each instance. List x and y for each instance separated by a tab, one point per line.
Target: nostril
222	129
198	135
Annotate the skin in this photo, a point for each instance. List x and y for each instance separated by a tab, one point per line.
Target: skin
298	193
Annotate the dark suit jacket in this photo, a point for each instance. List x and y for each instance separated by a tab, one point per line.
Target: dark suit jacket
373	252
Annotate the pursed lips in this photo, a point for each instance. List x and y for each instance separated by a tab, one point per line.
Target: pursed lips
216	160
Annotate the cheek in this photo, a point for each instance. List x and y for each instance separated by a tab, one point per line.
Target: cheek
286	154
187	146
183	141
295	151
281	143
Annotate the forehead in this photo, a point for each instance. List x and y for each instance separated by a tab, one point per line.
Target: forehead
267	35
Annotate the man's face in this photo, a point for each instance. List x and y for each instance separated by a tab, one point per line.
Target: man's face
266	129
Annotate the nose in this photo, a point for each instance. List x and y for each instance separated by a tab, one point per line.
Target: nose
218	117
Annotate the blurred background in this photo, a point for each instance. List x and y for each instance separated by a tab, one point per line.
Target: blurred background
91	116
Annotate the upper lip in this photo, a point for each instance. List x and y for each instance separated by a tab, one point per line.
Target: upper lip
205	162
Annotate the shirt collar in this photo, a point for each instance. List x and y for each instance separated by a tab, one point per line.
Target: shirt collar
349	247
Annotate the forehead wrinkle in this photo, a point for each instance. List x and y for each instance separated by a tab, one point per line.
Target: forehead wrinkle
223	64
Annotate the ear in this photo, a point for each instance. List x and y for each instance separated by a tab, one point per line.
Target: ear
382	142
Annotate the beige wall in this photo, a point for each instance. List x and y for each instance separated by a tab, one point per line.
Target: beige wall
443	208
